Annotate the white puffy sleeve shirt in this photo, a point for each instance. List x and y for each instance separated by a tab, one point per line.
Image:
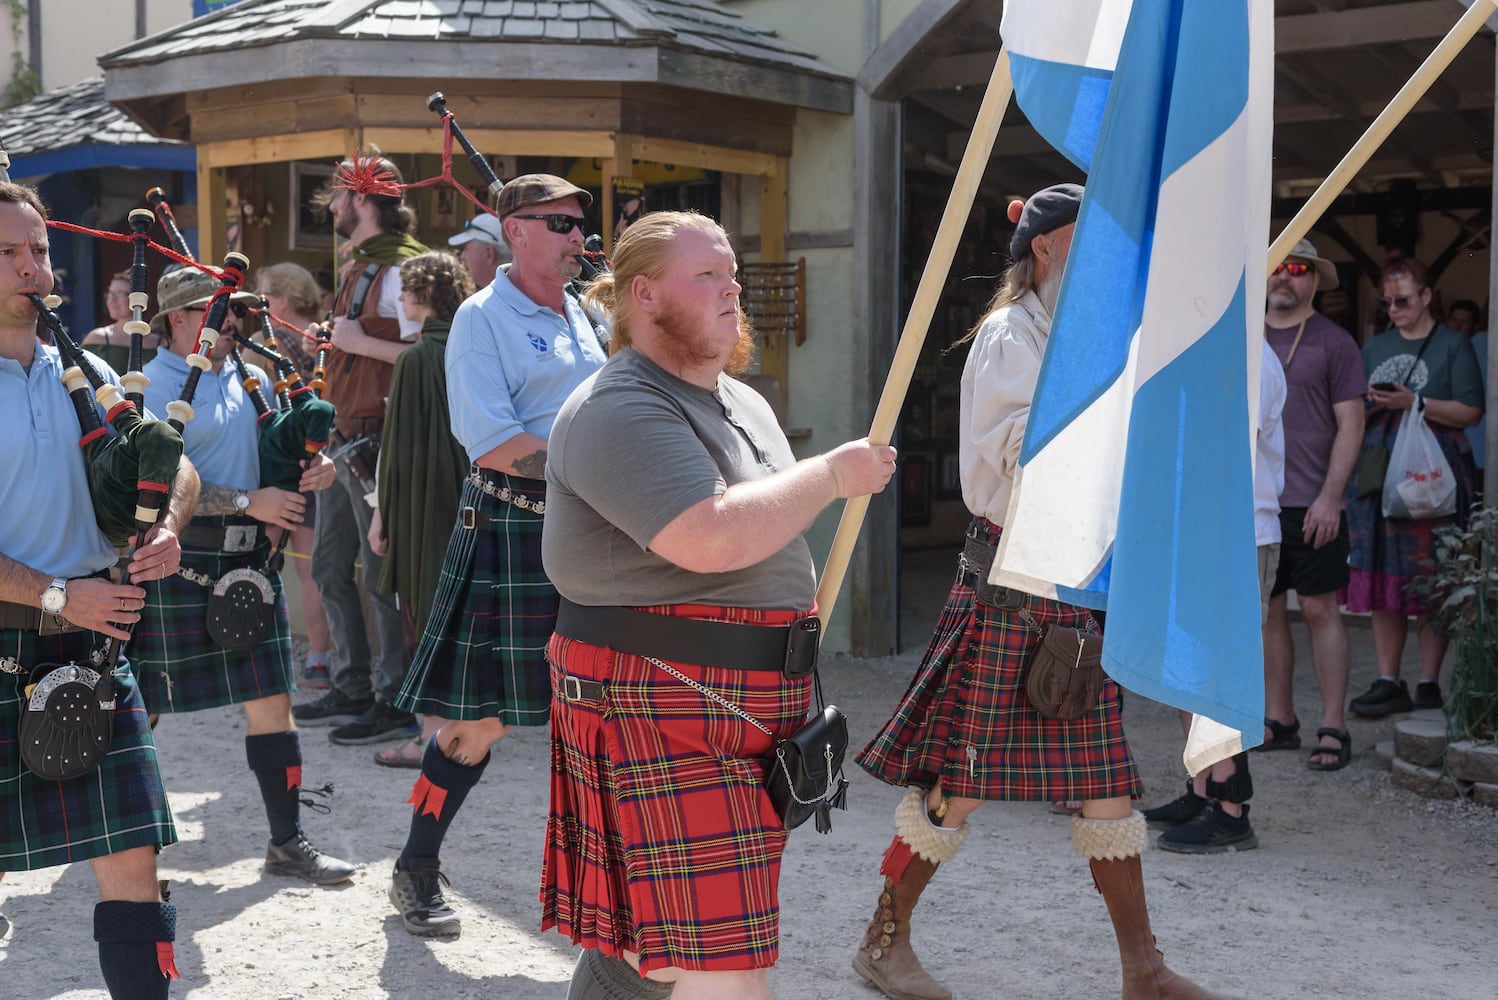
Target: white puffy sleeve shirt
998	382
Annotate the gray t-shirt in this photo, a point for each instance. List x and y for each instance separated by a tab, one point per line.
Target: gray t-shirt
632	448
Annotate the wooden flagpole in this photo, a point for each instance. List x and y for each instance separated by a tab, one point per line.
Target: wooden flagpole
917	323
1357	157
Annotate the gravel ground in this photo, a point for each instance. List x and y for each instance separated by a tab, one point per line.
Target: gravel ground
1357	890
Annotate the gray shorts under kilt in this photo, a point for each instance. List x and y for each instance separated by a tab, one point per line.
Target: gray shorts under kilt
117	806
180	667
483	651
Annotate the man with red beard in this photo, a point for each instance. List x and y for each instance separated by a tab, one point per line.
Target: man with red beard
674	531
516	351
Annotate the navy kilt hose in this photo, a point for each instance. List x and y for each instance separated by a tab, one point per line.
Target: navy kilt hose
483	652
965	718
661	838
180	667
119	805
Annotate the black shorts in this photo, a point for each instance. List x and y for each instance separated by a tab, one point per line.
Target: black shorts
1306	570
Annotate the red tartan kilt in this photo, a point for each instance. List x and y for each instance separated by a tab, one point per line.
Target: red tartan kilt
661	839
966	720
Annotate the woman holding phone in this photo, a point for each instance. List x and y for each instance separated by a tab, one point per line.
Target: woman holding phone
1418	358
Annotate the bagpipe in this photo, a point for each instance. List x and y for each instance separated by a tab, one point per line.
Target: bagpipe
593	260
289	435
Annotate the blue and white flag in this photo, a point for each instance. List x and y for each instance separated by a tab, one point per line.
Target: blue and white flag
1135	486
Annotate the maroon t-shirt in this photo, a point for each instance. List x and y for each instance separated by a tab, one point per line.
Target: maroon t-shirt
1327	369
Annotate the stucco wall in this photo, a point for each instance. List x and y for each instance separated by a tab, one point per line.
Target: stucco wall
75	32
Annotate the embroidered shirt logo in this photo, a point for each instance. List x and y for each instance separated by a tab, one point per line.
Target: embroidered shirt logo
538	342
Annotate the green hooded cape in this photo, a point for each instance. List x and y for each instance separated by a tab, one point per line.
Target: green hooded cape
422	467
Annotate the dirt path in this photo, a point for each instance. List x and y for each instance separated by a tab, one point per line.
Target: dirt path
1358	890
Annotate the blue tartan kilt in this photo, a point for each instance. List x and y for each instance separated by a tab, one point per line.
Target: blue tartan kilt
119	805
483	651
180	667
966	721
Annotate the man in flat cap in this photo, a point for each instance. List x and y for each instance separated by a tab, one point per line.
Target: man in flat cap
965	732
482	248
517	350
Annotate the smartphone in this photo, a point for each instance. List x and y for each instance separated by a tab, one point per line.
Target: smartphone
1384	386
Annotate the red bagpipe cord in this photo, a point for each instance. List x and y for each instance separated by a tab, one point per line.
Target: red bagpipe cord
427	797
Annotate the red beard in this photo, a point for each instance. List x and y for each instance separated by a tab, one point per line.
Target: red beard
686	347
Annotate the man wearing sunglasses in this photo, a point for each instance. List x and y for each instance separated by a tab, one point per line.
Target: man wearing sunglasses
1323	423
517	350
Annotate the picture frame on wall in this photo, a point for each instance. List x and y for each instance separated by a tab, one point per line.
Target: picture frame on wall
311	229
915	489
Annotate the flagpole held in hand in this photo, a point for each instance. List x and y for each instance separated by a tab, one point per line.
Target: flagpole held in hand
1357	157
922	309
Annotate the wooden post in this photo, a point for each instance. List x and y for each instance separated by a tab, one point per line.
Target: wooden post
774	353
211	201
933	278
621	164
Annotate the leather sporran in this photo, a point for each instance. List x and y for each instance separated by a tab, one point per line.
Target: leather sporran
68	721
1064	677
241	609
805	778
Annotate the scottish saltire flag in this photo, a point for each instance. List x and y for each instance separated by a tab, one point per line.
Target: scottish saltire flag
1135	487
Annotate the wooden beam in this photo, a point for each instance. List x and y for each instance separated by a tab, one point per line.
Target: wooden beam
880	73
212	199
620	164
507	142
324	144
691	154
774	208
1403	22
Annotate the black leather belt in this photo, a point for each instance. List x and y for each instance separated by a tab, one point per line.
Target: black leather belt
27	618
238	535
790	649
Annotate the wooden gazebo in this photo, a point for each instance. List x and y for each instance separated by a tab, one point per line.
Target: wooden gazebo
618	81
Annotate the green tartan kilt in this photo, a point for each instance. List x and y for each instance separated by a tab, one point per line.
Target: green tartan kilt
119	805
181	668
483	651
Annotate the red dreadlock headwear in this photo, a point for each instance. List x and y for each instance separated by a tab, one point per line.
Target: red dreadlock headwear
365	175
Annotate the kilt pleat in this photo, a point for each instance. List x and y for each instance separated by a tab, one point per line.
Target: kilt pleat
180	667
483	651
965	718
661	839
119	805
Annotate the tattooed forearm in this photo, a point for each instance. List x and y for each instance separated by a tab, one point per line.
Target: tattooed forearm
216	501
532	466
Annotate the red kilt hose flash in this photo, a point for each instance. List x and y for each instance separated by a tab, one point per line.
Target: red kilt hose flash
966	721
661	838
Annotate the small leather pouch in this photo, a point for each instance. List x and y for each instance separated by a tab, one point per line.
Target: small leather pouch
806	773
241	609
1064	677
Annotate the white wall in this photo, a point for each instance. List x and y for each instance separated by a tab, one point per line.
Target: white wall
76	32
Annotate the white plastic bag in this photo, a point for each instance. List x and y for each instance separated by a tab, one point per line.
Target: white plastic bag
1419	483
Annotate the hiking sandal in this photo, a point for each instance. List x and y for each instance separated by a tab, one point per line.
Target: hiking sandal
1285	737
1343	750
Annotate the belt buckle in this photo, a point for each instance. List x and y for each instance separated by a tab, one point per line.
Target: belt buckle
53	624
240	537
572	688
470	518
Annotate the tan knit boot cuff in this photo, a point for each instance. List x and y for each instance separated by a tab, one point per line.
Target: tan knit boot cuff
1109	839
936	844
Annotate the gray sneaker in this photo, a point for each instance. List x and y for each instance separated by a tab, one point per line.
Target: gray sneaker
298	857
332	709
417	896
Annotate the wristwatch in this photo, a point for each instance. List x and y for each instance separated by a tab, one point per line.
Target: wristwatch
242	501
55	597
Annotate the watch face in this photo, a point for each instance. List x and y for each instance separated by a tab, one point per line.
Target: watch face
53	600
241	501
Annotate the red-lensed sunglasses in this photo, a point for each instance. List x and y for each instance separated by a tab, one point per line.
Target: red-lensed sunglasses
1294	269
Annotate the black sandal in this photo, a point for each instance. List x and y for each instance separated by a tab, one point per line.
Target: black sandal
1343	750
1285	737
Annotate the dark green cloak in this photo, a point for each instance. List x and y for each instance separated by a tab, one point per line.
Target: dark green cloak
422	468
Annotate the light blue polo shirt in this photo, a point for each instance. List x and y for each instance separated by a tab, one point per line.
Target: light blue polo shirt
221	439
49	520
511	364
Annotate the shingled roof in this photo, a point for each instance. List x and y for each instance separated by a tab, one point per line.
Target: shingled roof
539	39
39	134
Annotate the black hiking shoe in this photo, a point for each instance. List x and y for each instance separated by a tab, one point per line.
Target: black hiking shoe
381	723
1383	697
417	896
1211	832
1428	695
332	709
298	857
1182	809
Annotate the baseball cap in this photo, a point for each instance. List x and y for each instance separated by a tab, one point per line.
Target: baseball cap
534	189
485	228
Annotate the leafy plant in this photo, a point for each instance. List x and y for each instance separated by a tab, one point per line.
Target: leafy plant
23	84
1462	585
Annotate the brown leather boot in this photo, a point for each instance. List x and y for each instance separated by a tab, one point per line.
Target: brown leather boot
885	957
1120	879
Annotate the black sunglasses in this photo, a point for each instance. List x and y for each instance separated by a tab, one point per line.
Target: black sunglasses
557	223
1397	302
